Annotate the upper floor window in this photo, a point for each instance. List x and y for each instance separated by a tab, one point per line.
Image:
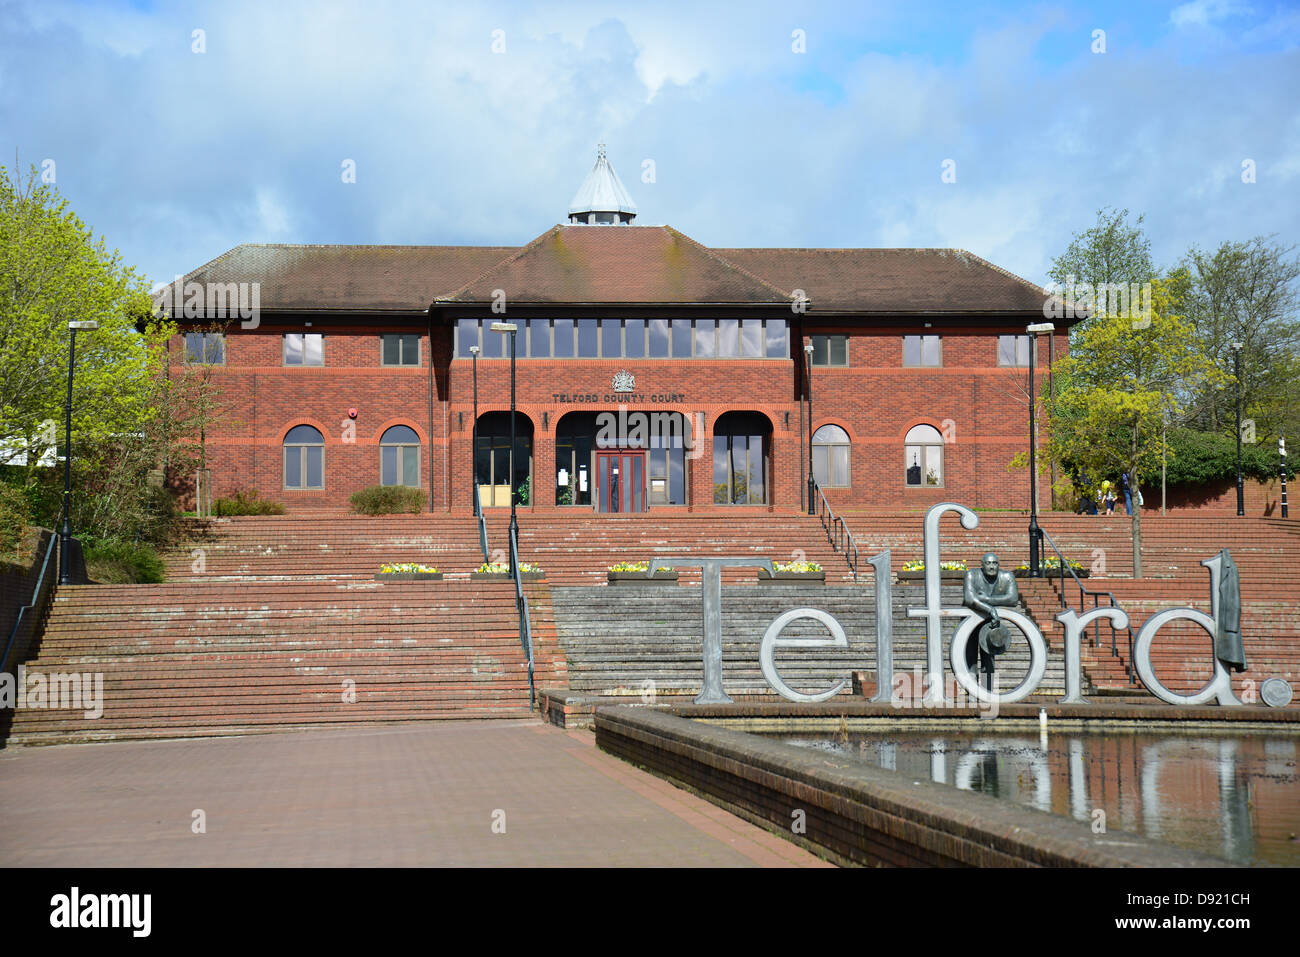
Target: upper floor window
304	349
208	348
830	350
922	351
401	350
1013	350
629	339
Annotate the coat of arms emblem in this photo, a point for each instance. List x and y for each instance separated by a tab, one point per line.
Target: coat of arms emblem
624	381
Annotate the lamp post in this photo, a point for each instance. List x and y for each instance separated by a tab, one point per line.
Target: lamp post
1035	533
473	454
1241	487
65	544
812	504
511	328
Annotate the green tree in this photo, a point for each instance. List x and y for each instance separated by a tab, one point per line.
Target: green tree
1246	293
1118	387
126	419
1111	252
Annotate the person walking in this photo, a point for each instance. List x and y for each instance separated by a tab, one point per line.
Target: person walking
1108	496
1128	493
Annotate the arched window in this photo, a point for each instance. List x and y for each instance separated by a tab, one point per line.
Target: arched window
399	457
304	458
923	456
830	447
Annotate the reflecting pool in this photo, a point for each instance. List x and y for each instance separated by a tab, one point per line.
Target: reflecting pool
1234	797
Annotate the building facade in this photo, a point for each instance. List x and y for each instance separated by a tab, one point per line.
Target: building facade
651	373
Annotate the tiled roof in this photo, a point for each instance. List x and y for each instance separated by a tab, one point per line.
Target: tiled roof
350	277
617	264
892	280
622	265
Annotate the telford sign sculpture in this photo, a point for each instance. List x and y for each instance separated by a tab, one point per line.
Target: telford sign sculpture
984	618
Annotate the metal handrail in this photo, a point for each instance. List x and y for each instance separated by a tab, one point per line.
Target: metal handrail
36	596
1084	593
525	620
482	536
837	532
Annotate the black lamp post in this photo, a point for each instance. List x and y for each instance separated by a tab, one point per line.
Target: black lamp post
473	455
812	487
511	328
1241	487
1035	533
65	544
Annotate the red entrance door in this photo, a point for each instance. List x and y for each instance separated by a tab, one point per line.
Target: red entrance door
621	476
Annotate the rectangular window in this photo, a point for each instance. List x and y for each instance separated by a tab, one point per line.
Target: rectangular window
705	338
659	341
751	338
539	338
611	338
206	348
682	339
921	351
1013	350
830	350
588	339
494	343
563	338
466	336
777	339
401	350
728	338
634	338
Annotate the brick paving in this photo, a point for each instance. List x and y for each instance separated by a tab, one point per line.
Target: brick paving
416	795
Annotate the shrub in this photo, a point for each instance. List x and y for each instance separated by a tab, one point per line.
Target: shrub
121	563
387	500
15	514
246	502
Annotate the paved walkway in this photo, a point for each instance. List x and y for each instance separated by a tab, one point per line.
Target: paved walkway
415	795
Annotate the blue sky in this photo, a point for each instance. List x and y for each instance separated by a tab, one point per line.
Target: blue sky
175	155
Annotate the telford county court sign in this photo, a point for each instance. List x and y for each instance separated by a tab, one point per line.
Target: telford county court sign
1220	624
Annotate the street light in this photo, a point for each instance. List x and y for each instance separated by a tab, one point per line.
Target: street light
511	328
473	455
1241	488
65	546
1035	533
812	505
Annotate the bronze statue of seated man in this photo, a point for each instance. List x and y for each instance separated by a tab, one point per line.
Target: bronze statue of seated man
988	589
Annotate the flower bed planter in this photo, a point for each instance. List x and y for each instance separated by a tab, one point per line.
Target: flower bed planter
409	577
505	576
1052	572
632	578
788	578
945	574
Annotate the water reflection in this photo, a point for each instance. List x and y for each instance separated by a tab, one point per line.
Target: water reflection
1234	797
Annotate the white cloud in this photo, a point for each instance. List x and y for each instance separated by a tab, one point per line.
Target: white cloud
1204	12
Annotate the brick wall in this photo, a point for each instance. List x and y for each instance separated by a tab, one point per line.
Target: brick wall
979	407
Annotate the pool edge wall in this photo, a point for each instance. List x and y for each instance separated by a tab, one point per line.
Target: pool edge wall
863	816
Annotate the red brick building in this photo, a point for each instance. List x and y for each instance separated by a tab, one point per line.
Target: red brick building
651	372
